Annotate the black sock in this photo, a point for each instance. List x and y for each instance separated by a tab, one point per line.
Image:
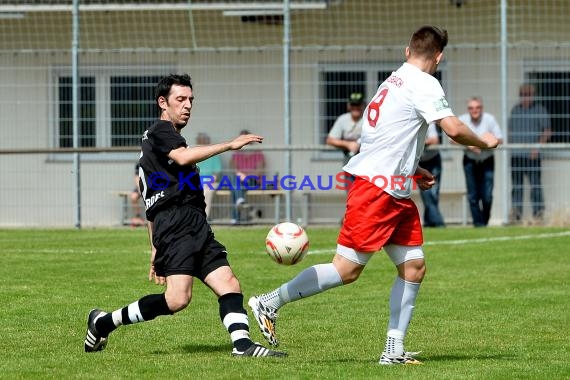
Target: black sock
145	309
234	317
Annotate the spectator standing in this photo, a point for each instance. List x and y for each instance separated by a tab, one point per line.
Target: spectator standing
478	164
529	123
431	161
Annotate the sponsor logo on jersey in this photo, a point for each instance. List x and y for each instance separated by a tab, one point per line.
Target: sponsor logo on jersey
152	200
440	104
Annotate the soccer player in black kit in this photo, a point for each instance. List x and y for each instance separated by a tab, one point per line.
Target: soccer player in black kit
183	245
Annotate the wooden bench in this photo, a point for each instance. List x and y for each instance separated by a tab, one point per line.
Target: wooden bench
275	194
307	199
125	202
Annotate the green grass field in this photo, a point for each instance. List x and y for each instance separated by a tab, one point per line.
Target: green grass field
494	305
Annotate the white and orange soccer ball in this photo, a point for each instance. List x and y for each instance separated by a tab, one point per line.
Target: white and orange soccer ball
287	243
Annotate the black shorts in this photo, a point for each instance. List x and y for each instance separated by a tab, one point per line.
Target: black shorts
185	243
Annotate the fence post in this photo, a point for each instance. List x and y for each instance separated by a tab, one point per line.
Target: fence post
287	99
75	111
504	113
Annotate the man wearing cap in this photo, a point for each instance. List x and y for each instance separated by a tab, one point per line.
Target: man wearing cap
345	133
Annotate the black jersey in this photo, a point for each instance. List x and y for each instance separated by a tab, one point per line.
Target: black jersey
163	183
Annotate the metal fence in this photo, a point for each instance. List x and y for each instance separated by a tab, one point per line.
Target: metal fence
81	73
317	192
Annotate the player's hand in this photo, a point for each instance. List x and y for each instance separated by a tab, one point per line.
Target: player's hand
159	280
490	140
243	140
474	149
424	178
353	147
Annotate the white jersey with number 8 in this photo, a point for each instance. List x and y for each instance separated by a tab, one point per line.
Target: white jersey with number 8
394	128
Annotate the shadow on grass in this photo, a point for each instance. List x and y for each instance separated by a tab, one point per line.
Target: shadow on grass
196	348
427	359
347	360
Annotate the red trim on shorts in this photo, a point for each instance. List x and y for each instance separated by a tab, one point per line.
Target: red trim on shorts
374	219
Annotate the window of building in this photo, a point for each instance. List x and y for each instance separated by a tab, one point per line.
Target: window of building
114	110
132	108
338	81
87	110
337	87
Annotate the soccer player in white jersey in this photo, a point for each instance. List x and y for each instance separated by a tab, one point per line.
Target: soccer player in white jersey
379	211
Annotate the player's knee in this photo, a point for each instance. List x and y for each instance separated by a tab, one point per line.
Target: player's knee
350	263
233	284
349	277
419	272
223	281
177	300
413	270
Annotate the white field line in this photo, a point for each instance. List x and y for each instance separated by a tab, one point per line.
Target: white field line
468	241
329	250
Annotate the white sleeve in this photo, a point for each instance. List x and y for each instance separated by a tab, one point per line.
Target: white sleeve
430	101
336	130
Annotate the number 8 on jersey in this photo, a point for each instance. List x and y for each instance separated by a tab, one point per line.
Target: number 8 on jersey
374	106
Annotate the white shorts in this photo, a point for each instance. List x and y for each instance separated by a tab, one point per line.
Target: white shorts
352	255
401	253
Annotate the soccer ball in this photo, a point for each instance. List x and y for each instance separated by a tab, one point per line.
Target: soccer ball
287	243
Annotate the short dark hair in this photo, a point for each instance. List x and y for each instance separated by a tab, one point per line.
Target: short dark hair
428	41
165	84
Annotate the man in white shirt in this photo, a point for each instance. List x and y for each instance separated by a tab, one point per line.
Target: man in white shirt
479	165
346	129
379	211
345	132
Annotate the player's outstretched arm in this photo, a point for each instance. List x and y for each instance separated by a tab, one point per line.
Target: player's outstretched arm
192	155
461	134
